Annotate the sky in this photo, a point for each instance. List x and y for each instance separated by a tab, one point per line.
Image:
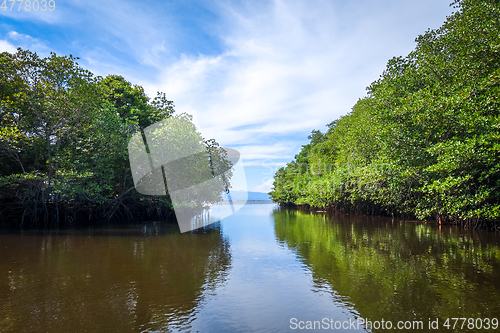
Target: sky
258	76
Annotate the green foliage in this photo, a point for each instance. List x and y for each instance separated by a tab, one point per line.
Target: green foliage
425	141
63	142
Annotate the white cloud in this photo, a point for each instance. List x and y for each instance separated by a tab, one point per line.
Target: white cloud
27	42
265	187
141	30
5	46
262	152
267	163
289	66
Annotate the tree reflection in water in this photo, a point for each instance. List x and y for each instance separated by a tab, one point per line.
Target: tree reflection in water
397	270
105	280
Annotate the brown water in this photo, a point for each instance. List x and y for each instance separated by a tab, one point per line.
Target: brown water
260	270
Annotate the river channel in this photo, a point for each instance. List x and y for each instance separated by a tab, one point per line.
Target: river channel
263	269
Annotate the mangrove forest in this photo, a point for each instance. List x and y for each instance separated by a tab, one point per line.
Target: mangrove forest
424	142
63	144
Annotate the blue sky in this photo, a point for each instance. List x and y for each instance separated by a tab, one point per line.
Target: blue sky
257	76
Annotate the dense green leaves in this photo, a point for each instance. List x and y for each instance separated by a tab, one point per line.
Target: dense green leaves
425	141
63	142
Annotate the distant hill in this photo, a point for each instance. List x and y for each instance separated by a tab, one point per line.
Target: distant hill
252	196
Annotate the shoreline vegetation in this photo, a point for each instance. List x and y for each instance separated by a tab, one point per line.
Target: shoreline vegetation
63	145
424	143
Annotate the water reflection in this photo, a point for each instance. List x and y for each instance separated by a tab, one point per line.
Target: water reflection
254	272
397	270
141	279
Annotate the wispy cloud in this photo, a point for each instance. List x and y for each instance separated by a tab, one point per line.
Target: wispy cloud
16	39
273	150
135	36
290	66
5	46
265	187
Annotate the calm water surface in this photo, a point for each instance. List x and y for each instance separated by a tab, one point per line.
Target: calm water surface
253	272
